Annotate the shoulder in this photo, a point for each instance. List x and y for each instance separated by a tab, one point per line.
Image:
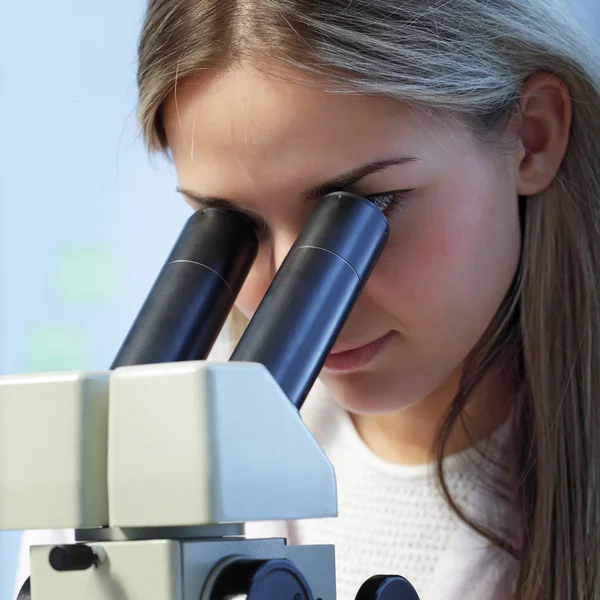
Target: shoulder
472	569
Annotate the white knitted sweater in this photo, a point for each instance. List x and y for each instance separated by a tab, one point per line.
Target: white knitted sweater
391	519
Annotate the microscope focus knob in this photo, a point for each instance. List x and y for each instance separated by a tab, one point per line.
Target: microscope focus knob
387	587
73	557
245	579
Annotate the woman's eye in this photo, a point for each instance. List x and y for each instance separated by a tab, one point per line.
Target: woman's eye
389	202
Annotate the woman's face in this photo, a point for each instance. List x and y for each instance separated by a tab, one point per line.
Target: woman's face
454	240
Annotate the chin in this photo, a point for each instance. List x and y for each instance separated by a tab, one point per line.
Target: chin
371	394
377	392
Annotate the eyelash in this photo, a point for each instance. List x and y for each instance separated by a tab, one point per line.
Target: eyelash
391	201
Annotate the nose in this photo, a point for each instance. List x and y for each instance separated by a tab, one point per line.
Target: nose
282	243
271	254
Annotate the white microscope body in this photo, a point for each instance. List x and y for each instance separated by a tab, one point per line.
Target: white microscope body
158	467
159	462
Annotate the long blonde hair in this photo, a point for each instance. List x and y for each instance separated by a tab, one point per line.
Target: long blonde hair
467	58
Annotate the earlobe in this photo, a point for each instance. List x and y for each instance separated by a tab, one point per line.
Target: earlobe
546	115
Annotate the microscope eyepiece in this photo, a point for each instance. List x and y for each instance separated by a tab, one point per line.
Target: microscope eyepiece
194	292
313	292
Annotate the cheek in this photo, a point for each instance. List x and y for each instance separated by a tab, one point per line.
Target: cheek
450	261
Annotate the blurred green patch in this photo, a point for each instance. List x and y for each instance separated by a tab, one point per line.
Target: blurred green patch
55	348
85	274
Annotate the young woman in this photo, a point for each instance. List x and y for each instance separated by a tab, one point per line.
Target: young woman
474	351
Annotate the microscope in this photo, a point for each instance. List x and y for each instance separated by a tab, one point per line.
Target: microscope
159	462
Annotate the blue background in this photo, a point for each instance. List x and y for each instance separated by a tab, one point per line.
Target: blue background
86	219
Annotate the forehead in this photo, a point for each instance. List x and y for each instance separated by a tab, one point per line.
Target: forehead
239	122
243	101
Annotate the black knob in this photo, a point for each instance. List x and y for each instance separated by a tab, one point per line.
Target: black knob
74	557
25	591
387	587
260	580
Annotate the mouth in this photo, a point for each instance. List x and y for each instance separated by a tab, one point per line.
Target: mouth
356	357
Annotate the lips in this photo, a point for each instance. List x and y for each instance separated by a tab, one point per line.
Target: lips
349	357
349	346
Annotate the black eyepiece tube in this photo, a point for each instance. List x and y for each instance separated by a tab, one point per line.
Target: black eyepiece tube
313	292
194	292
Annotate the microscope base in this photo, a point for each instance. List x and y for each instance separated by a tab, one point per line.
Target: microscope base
171	569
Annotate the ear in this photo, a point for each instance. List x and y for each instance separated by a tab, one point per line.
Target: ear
546	114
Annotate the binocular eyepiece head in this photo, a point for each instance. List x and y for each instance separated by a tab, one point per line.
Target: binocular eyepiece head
302	312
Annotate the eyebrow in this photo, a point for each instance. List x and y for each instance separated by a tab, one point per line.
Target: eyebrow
338	184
